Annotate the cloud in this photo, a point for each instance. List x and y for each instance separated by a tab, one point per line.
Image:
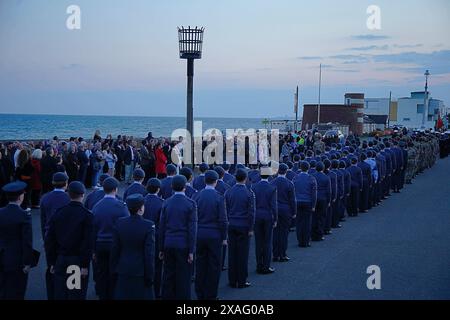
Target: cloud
370	37
408	46
310	58
350	57
438	62
368	48
72	66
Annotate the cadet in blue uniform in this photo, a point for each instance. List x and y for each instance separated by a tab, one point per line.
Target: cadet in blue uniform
190	191
96	195
166	184
228	178
347	188
199	181
330	210
337	205
221	186
323	202
136	186
366	171
305	186
265	221
69	242
133	253
50	203
153	204
287	210
178	234
106	213
211	236
356	187
240	206
16	244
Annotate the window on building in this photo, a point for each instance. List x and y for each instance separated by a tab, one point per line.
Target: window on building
406	119
430	118
420	108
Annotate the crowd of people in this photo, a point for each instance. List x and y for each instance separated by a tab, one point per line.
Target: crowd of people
171	227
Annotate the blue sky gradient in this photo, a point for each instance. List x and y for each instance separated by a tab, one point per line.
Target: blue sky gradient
124	60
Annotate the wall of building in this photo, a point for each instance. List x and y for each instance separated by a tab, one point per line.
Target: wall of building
330	113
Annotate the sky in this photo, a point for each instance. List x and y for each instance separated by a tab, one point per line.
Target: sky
124	60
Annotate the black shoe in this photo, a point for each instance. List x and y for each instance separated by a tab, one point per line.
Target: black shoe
268	271
231	285
245	285
276	259
285	259
337	226
342	220
328	232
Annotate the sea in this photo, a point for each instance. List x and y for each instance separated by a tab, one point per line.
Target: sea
37	127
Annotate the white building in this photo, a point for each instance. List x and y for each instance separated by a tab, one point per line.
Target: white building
376	106
410	111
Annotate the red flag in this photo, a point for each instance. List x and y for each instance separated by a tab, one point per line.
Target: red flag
439	123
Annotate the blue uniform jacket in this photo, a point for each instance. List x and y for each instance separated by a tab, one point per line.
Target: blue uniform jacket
133	248
16	238
356	174
222	187
265	201
323	187
254	176
135	188
94	197
340	183
287	205
70	233
290	175
212	218
178	223
190	192
240	206
106	213
366	171
166	191
305	186
334	186
229	179
153	205
199	182
347	180
51	202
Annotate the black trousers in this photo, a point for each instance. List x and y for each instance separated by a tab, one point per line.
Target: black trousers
238	252
336	212
364	198
328	218
353	203
281	235
50	284
61	276
208	266
13	285
263	243
104	280
303	223
318	220
177	275
158	270
387	186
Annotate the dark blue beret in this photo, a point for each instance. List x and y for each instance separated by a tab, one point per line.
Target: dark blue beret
60	177
203	167
320	166
102	178
241	174
304	166
179	182
211	176
14	187
110	183
135	201
171	169
186	171
240	166
283	168
77	187
139	173
289	164
313	163
220	171
154	182
226	166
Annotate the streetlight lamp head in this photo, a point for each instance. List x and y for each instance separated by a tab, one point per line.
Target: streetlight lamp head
427	73
190	42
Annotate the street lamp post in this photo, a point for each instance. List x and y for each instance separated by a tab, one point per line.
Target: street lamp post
425	99
190	45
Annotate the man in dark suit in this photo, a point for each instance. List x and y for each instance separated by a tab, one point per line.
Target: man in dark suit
265	222
287	210
240	206
106	213
50	203
178	235
211	236
68	243
16	241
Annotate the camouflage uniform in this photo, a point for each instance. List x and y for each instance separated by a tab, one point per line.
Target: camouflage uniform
411	167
